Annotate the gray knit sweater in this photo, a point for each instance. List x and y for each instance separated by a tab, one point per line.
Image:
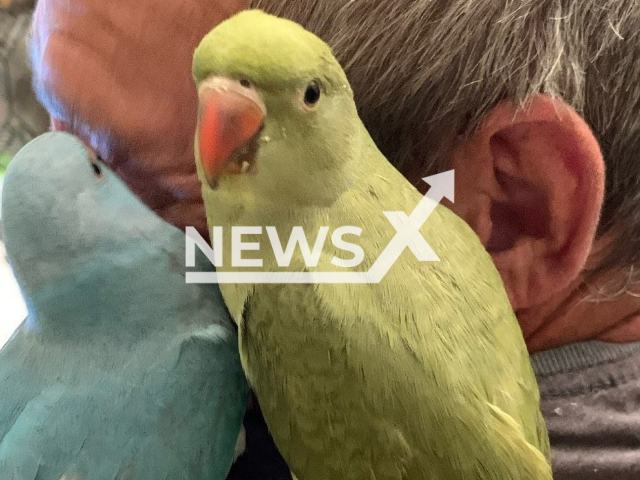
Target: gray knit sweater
591	402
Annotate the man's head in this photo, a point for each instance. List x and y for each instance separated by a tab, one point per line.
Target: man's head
530	101
118	74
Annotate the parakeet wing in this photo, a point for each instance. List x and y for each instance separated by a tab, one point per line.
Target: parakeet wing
167	420
382	402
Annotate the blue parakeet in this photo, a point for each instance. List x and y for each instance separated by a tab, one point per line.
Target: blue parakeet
122	370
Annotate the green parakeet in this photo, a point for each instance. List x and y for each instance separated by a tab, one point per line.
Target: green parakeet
122	370
422	375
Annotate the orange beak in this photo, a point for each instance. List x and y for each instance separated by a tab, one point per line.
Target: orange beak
229	122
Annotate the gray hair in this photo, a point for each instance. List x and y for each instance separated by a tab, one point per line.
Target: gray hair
425	71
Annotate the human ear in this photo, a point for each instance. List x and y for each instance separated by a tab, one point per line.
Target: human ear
530	182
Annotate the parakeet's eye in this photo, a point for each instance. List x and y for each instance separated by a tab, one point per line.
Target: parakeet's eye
312	94
97	170
245	83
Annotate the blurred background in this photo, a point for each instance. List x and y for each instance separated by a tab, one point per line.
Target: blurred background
21	119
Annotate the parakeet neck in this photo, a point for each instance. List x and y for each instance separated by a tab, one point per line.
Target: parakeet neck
129	289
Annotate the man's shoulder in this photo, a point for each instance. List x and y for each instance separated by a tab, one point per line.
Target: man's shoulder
590	398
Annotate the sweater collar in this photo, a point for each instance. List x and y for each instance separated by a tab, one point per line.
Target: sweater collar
580	356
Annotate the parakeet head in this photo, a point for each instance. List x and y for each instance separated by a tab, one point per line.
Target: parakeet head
64	213
277	121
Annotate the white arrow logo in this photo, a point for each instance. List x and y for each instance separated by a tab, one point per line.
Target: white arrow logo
407	236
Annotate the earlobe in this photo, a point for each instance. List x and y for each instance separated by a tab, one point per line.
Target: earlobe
531	183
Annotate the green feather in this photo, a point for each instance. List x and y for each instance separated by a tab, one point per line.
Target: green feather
303	49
